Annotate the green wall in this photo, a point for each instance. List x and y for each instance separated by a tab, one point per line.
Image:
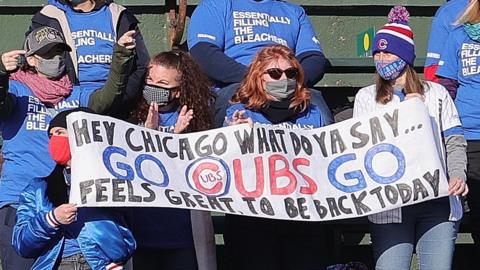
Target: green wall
337	23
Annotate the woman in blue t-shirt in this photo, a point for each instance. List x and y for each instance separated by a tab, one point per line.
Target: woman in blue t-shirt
176	98
273	93
30	96
459	72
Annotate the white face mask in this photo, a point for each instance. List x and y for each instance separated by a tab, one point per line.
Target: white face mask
281	89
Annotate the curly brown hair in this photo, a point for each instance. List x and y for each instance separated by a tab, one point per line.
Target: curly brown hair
251	92
194	87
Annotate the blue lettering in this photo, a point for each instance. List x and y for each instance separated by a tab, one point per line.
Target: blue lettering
109	151
138	167
389	148
332	170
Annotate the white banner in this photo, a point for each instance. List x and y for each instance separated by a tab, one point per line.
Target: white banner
357	167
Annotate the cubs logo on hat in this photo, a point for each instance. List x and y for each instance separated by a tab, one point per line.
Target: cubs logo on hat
396	36
43	39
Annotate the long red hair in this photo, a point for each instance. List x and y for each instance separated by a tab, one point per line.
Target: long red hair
251	91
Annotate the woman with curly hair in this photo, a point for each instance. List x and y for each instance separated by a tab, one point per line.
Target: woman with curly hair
176	98
273	93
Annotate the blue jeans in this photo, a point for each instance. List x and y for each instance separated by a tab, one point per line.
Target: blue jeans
473	197
78	262
424	226
75	262
225	94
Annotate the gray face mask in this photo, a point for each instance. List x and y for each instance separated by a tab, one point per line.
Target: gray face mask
281	89
53	67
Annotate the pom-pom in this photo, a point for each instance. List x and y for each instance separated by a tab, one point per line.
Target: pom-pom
398	14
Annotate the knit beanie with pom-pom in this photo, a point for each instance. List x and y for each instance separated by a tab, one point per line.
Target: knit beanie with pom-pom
396	36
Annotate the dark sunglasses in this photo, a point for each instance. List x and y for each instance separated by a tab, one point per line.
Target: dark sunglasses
276	73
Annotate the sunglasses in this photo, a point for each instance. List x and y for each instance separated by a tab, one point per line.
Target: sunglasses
276	73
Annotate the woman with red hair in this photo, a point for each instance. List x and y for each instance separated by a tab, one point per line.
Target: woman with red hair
273	93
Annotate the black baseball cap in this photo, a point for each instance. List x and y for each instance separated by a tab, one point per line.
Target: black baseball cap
43	39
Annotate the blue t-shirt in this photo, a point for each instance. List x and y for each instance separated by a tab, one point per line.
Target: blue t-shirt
25	139
461	61
308	119
94	37
442	25
166	228
242	27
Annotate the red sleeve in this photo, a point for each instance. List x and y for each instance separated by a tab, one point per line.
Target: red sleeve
429	73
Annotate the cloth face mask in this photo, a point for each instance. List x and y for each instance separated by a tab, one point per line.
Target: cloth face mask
53	67
59	149
282	89
159	95
390	70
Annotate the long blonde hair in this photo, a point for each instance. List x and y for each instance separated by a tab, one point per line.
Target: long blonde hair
471	14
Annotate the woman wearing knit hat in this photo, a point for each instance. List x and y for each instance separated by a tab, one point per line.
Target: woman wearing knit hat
430	227
459	71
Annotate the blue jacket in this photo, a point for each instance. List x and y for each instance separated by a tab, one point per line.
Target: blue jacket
103	237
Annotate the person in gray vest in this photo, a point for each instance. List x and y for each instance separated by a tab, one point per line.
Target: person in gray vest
91	28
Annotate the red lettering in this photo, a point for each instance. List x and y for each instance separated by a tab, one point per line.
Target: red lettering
196	178
283	172
311	187
237	172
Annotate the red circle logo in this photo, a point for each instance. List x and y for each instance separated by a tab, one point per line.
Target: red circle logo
209	176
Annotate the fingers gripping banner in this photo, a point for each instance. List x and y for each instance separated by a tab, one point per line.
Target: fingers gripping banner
357	167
